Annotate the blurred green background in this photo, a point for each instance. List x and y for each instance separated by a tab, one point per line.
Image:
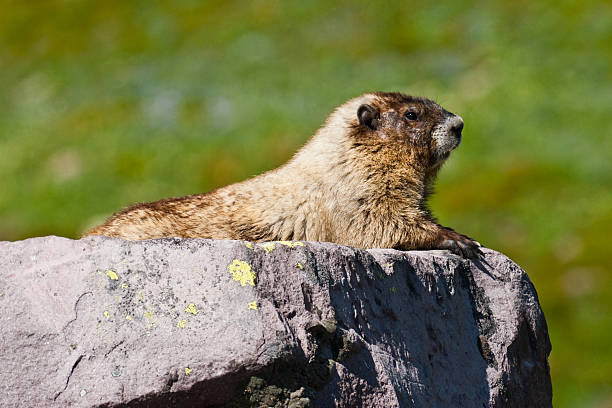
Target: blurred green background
108	103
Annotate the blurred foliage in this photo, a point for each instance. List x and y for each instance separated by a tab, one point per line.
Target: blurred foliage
110	103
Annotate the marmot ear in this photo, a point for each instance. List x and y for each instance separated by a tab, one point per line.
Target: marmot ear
368	116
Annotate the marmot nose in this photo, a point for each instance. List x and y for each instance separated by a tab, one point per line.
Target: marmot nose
456	125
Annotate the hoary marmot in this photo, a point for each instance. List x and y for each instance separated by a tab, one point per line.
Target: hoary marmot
362	180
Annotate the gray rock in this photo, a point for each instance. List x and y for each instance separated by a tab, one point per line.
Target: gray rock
107	322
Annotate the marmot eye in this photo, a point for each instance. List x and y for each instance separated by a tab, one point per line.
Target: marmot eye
410	115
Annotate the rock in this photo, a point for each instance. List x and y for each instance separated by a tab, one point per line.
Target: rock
107	322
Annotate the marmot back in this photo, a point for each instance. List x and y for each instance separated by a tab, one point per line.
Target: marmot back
362	180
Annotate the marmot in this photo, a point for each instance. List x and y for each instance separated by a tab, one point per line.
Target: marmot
362	180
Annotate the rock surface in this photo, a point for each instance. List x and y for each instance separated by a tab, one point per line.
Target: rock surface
107	322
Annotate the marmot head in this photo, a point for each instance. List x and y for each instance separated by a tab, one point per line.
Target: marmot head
401	121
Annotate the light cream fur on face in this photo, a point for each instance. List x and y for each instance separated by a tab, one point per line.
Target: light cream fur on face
443	135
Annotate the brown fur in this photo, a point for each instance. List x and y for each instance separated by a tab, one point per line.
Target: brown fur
362	182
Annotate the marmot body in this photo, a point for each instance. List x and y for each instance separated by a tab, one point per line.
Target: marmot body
362	180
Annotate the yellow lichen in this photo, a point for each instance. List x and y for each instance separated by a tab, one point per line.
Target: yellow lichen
253	305
192	309
188	371
249	245
111	274
291	244
241	272
181	323
128	317
149	313
268	247
106	314
139	296
299	265
124	285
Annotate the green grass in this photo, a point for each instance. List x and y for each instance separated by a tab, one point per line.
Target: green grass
110	103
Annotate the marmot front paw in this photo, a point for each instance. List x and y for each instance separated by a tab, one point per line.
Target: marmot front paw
460	244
